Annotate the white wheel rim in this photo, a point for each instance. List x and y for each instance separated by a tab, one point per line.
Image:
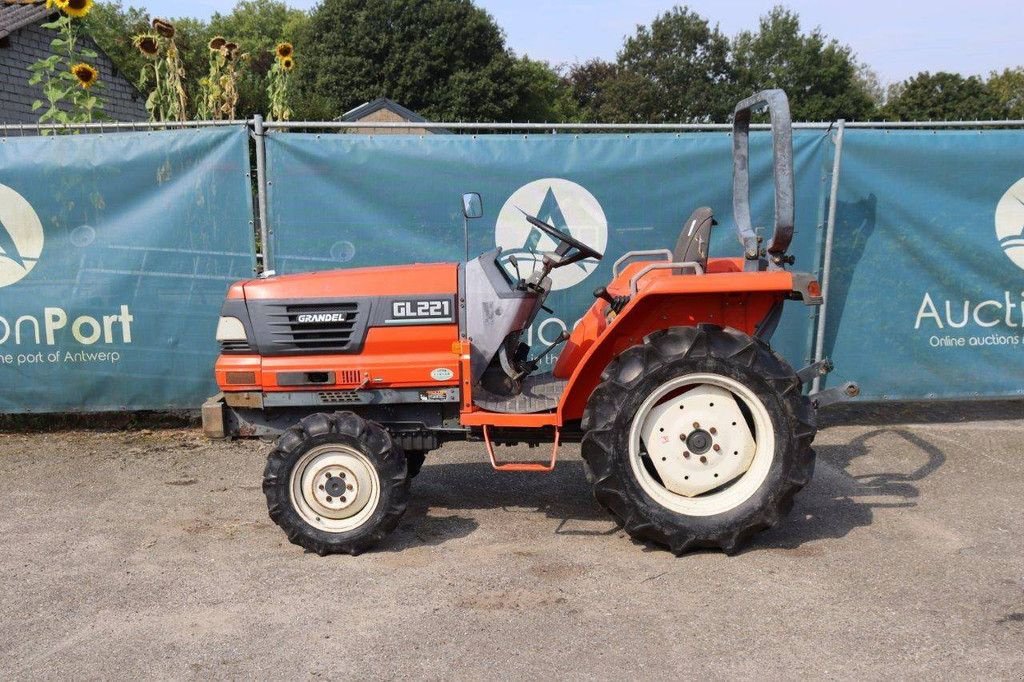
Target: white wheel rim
334	488
696	436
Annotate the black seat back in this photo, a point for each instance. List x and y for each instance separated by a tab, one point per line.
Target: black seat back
692	245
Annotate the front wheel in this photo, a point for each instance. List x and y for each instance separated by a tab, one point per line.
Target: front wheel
336	483
699	437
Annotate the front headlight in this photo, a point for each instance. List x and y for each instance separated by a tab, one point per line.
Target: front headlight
230	329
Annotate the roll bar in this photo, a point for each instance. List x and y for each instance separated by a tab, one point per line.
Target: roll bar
782	170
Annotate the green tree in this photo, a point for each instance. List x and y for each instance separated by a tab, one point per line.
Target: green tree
586	85
1008	88
445	59
675	70
821	76
942	97
543	96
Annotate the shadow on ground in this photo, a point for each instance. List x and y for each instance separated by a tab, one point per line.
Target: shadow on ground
835	502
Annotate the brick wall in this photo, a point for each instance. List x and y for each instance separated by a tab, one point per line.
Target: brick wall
122	101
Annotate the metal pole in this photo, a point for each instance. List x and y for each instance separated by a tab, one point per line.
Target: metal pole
826	268
261	192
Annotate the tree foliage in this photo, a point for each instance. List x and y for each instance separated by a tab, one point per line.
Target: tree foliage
943	96
448	60
676	69
445	59
820	75
1008	89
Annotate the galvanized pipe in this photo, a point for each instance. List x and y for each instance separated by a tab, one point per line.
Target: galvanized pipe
636	127
259	132
826	267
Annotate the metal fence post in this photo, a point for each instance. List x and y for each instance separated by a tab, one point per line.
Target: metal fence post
826	268
259	132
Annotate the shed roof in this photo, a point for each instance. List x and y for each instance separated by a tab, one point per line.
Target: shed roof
15	14
364	110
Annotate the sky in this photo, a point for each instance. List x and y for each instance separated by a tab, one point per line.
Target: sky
897	39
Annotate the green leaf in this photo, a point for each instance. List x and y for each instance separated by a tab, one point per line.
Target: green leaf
51	24
89	54
37	105
57	43
35	79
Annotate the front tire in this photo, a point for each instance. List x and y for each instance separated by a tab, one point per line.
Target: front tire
336	483
699	437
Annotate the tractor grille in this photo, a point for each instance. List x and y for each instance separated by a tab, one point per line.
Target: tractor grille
314	327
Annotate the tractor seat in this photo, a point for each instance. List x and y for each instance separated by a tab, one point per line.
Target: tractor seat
692	245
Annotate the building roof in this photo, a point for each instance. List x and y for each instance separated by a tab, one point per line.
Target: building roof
364	110
15	14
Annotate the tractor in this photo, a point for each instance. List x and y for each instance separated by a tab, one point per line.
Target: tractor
694	432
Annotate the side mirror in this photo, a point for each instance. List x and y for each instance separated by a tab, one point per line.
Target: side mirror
472	205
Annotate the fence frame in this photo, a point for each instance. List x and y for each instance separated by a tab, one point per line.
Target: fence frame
259	128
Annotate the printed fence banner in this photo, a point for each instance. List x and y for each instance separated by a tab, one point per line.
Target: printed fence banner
115	254
927	290
347	200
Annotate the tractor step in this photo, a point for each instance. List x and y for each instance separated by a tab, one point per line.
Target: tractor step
534	467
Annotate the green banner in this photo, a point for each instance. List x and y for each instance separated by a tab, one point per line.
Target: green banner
339	201
926	298
115	253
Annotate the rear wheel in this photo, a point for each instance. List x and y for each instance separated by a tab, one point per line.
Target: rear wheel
336	483
699	437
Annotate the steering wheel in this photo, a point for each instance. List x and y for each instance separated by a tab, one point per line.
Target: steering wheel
583	251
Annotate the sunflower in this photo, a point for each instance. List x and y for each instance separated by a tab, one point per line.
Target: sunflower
75	8
287	63
217	43
164	28
59	4
284	50
147	45
86	74
230	51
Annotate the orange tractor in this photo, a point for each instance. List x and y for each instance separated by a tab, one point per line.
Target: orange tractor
695	433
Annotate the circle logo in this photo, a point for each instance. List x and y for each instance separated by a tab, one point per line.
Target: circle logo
564	204
21	237
1010	223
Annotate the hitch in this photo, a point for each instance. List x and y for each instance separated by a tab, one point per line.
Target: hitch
815	370
831	396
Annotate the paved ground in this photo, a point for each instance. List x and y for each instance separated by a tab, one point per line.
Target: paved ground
150	553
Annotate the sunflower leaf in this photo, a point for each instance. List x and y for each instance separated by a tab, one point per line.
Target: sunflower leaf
89	54
37	105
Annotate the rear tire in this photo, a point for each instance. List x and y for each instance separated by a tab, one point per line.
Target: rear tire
336	483
656	445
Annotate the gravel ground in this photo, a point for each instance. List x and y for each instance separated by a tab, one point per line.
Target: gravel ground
150	553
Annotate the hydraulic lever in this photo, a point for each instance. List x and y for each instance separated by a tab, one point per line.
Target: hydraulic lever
615	303
530	366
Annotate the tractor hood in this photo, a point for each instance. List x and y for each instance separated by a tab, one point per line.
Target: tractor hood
333	312
392	280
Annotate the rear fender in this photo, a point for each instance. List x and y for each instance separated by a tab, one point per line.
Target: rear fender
651	311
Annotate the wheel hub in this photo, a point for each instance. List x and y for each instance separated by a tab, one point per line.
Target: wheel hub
334	487
698	440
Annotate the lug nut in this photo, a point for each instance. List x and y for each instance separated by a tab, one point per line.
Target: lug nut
696	425
330	499
686	454
703	459
716	447
713	430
